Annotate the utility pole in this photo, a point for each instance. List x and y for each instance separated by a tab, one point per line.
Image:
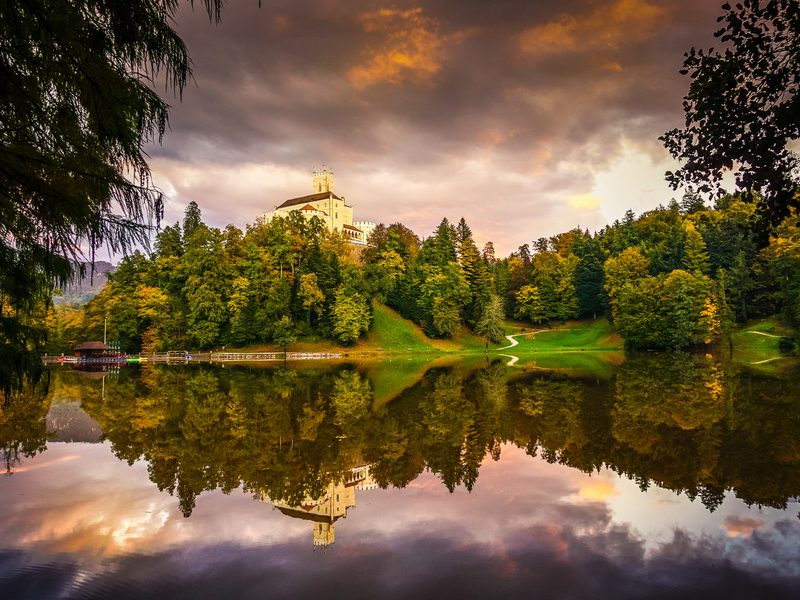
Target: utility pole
105	328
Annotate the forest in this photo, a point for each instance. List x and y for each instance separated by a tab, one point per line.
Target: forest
679	276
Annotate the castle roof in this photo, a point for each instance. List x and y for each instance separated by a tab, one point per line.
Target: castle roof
346	226
307	199
307	516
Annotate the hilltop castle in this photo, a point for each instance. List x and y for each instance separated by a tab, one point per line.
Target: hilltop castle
330	208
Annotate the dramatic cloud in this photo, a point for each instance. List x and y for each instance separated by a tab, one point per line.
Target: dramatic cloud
606	27
527	118
409	48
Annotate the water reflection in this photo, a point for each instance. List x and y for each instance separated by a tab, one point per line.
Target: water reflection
681	422
489	468
325	510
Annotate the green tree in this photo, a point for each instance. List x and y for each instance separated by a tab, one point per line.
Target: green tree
207	286
529	305
477	275
695	258
629	267
742	108
284	332
443	293
589	277
490	325
783	258
350	315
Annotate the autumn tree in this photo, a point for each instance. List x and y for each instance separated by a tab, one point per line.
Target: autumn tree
312	297
529	305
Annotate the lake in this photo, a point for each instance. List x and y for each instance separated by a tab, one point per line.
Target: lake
670	475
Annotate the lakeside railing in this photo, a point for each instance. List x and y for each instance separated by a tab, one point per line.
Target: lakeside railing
183	357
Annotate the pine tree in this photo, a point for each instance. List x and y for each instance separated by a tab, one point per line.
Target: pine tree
695	258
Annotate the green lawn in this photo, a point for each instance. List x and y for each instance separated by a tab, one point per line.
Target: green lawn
594	335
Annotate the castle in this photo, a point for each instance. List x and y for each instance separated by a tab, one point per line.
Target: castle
327	206
324	511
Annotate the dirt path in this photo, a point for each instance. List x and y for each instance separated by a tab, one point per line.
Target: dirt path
512	359
766	334
761	362
514	342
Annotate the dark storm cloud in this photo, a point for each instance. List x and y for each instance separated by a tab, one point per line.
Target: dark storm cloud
279	80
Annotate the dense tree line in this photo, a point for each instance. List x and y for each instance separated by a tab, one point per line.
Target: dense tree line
675	277
205	288
280	279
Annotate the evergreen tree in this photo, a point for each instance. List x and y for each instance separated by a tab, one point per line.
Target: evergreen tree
590	279
695	258
192	218
463	232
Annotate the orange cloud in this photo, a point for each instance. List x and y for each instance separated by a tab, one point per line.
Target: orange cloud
412	48
605	27
598	490
741	527
584	202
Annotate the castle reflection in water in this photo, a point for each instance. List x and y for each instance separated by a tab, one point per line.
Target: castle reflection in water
324	511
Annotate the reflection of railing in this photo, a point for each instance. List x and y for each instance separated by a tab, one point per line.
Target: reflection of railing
254	356
86	360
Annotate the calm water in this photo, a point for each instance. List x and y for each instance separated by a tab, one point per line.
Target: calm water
667	476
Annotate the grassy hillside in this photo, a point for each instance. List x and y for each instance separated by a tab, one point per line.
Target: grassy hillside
756	345
392	334
572	336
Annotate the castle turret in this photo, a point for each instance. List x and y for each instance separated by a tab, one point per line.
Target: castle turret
323	181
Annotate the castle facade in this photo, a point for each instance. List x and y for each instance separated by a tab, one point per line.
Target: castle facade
329	208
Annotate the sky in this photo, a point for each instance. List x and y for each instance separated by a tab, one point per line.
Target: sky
526	118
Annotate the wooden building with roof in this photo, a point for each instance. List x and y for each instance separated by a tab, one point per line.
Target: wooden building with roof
93	350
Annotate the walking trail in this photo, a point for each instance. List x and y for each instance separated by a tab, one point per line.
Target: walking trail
513	342
761	362
766	334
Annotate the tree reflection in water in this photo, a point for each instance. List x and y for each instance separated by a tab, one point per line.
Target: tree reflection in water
679	421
